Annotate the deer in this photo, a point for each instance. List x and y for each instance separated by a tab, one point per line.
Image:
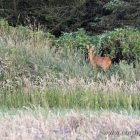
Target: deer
97	61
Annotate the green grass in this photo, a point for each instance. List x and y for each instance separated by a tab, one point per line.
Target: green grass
33	73
78	98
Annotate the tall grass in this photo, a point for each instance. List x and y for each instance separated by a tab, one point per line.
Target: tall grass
67	124
33	73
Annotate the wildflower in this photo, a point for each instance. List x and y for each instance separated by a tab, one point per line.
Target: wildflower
56	129
36	133
68	130
137	128
103	125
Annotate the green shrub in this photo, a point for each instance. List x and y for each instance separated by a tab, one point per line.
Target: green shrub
74	40
121	44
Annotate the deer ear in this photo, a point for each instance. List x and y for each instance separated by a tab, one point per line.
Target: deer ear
87	46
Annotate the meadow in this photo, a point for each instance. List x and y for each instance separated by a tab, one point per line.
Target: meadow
52	92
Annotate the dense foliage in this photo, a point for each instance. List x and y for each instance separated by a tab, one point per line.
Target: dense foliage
120	44
95	16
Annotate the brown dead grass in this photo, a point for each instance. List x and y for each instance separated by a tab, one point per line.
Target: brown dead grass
69	125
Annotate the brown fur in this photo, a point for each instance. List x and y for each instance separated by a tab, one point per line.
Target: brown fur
97	61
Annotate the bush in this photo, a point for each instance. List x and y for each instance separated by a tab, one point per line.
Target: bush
120	44
74	40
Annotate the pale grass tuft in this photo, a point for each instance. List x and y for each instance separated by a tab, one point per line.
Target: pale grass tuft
71	125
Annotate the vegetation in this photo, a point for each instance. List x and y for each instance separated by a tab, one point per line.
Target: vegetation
68	124
120	44
57	16
33	71
51	84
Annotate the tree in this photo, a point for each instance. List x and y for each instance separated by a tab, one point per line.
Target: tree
57	16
